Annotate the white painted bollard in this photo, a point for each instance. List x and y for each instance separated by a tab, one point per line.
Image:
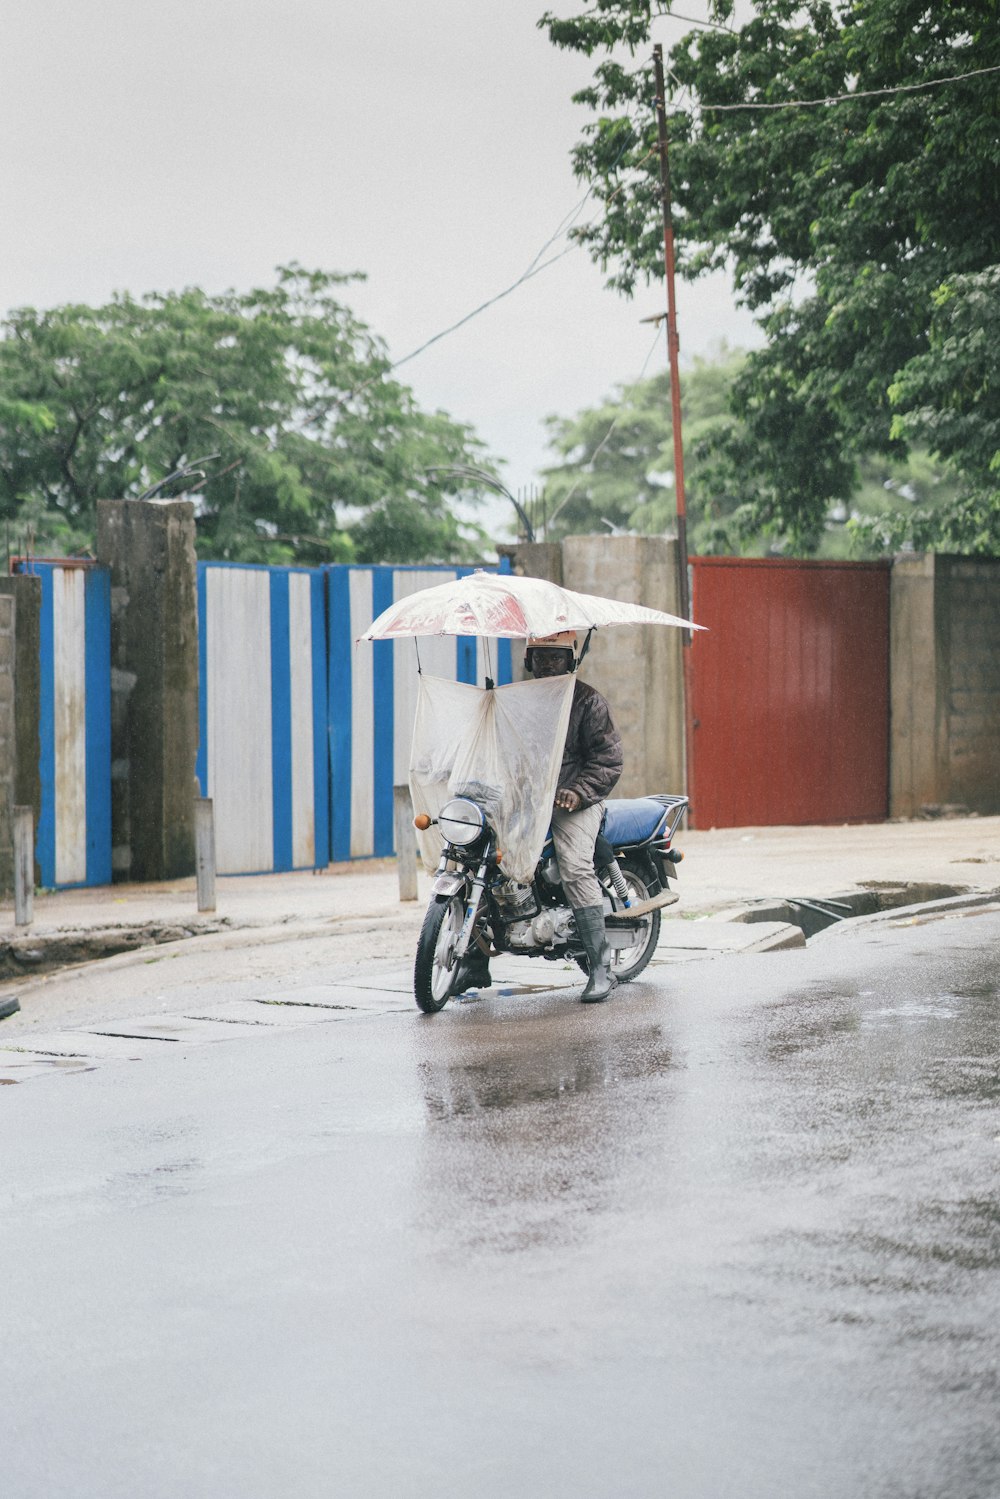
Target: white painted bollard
406	842
204	851
24	866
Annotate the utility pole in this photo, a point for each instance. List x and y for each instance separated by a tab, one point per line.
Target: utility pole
673	342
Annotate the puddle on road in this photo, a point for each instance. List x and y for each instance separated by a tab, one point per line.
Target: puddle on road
544	1074
815	914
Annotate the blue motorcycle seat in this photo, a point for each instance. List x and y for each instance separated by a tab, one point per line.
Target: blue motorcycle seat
632	820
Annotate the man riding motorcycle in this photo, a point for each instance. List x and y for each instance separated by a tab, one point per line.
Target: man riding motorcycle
591	766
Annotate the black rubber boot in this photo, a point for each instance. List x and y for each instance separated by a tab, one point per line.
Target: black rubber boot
475	972
590	928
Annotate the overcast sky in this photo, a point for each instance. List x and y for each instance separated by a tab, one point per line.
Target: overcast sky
152	146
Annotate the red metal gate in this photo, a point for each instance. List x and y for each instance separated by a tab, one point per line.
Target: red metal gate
789	692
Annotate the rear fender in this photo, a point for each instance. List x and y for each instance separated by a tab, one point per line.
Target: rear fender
648	861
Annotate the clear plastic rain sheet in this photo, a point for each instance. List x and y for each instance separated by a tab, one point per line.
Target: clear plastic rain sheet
503	747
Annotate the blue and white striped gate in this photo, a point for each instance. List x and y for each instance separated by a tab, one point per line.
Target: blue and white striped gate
373	693
303	734
73	840
262	754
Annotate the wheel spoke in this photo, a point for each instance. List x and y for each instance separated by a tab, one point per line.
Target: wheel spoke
627	962
444	951
436	967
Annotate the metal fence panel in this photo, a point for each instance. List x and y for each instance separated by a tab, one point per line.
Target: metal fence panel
74	826
262	753
372	697
790	692
302	733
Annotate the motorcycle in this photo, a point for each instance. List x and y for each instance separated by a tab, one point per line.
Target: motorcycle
474	905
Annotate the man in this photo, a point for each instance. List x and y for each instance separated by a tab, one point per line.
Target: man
591	766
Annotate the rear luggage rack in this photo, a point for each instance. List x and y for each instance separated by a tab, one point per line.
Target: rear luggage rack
675	807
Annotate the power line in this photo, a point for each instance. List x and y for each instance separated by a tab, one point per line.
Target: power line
532	270
607	436
675	15
566	223
562	229
871	93
672	15
537	265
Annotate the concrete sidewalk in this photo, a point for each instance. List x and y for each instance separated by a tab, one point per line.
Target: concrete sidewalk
729	878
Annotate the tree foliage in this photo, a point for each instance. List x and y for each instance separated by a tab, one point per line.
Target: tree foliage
615	468
843	224
321	456
615	471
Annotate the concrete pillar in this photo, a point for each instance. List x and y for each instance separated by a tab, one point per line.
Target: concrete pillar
967	593
8	744
638	668
149	548
535	559
945	676
917	659
25	594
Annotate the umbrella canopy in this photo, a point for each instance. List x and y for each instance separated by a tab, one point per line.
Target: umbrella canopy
508	607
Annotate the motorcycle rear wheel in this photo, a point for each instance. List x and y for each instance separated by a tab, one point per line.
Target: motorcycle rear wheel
435	971
628	962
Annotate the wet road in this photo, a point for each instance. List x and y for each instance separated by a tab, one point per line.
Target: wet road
735	1234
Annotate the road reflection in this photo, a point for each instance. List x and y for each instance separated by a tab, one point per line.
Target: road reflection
547	1108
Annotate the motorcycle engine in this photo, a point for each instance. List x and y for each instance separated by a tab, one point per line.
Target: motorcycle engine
515	900
551	927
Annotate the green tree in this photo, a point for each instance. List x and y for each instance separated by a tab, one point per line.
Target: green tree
615	464
949	398
321	455
615	471
839	222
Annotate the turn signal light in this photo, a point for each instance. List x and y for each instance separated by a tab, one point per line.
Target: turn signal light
422	821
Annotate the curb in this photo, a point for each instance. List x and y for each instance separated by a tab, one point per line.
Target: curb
712	938
931	910
860	902
25	957
792	936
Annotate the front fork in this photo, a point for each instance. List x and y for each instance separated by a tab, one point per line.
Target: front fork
449	883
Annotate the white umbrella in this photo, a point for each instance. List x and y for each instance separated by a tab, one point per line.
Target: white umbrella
504	606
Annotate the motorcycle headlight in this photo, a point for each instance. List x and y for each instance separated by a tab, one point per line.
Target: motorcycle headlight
460	821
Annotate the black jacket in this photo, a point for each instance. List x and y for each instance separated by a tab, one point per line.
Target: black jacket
592	760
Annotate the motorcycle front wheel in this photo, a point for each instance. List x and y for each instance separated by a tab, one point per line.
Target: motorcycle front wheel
435	972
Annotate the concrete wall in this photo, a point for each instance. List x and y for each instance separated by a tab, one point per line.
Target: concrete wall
945	674
639	669
149	548
22	753
969	606
535	559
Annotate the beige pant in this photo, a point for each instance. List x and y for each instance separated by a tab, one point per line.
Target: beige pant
574	835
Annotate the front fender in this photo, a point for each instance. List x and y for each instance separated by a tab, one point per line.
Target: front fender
449	884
